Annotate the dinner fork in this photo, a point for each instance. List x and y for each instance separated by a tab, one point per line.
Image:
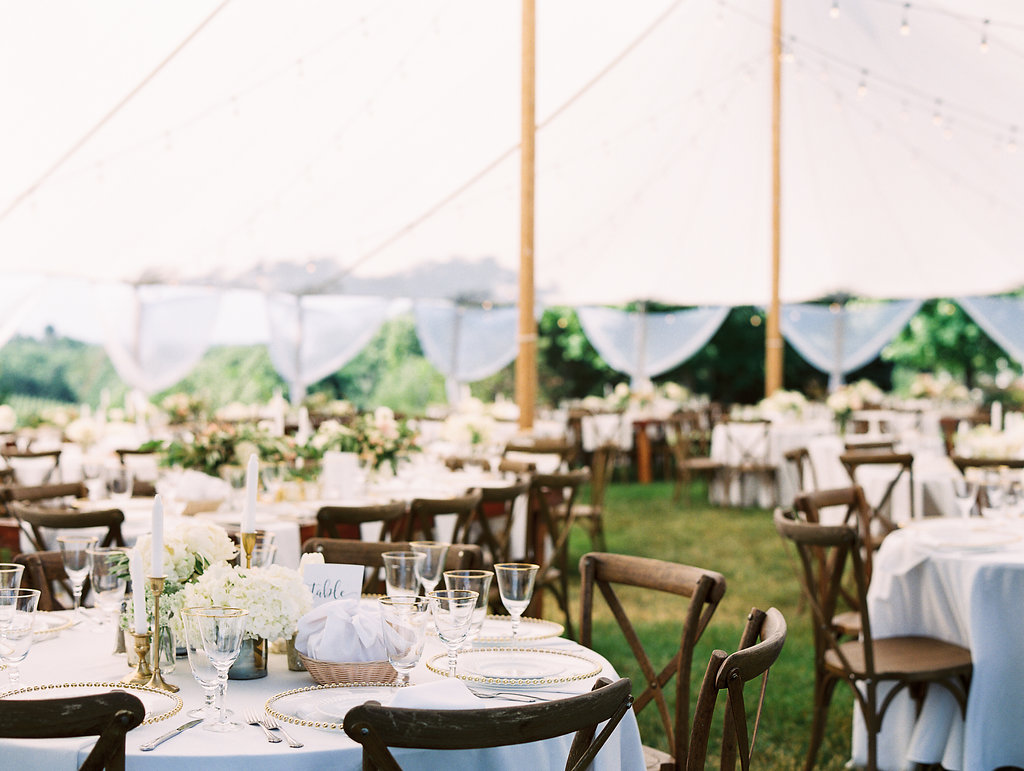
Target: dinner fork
253	719
269	723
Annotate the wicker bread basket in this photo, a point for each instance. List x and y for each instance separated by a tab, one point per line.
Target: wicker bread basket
330	672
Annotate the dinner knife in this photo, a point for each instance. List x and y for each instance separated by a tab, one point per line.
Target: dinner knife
169	735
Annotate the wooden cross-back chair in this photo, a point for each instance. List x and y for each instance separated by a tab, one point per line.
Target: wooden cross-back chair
369	555
419	524
110	716
47	460
346	521
901	464
590	514
377	728
36	519
729	673
550	522
489	525
799	459
542	445
703	591
684	434
749	453
912	663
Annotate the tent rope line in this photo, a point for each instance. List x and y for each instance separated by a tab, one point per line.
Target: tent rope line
82	141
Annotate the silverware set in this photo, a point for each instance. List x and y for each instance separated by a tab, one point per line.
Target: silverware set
269	724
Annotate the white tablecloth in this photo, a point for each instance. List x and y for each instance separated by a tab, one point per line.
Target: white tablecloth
84	654
728	441
925	582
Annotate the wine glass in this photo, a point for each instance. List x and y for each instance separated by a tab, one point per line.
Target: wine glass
515	585
478	581
966	492
452	610
17	612
992	500
429	571
221	630
403	622
202	667
10	575
75	551
120	483
402	572
108	585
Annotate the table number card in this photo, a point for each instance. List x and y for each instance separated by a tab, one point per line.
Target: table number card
331	582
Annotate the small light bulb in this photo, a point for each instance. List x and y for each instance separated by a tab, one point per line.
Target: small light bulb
862	90
905	24
984	37
834	10
937	115
1011	143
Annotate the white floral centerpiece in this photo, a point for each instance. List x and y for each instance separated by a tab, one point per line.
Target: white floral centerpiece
8	418
190	549
783	404
275	597
470	426
84	431
985	442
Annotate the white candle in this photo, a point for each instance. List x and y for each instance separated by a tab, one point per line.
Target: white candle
138	591
157	561
251	477
997	416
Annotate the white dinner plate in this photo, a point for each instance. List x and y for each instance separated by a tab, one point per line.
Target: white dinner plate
159	705
325	706
497	630
517	667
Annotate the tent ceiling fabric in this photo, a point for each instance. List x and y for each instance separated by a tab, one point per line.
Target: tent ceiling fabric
321	147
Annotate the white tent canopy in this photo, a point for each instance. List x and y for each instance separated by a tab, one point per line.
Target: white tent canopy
336	138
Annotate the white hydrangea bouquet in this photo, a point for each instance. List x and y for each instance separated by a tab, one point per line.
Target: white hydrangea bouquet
275	597
190	549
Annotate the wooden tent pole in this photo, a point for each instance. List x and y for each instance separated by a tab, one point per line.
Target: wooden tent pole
773	335
526	363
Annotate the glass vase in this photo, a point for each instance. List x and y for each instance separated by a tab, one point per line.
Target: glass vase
251	663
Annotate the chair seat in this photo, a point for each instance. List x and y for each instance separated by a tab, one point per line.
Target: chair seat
905	658
654	759
702	464
848	623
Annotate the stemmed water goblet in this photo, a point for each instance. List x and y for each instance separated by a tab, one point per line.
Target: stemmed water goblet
108	585
515	586
966	492
993	496
452	610
403	621
203	670
220	631
402	572
478	581
75	550
429	570
17	612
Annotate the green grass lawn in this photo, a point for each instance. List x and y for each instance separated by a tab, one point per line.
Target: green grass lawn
742	545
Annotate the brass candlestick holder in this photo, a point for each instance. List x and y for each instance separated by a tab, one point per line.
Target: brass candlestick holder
248	544
142	671
156	586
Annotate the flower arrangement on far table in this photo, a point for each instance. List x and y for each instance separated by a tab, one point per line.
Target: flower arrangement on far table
183	408
378	437
221	444
854	396
275	597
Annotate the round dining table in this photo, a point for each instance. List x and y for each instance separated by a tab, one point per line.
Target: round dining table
83	654
959	580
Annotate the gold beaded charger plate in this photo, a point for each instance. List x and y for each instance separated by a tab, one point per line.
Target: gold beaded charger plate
324	706
497	630
46	625
517	667
159	705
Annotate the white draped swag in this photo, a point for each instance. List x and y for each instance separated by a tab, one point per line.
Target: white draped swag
155	335
839	339
1002	319
466	343
22	293
643	344
312	336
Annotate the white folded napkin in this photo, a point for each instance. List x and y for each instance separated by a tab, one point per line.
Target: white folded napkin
343	631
